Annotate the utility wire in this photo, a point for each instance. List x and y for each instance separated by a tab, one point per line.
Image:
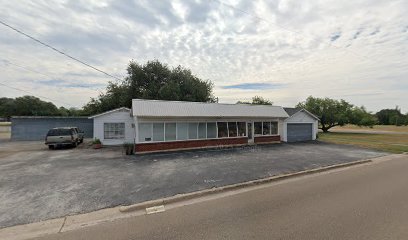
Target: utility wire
22	90
35	71
285	28
58	51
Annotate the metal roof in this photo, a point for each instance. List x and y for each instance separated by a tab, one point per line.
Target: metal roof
293	111
111	111
160	108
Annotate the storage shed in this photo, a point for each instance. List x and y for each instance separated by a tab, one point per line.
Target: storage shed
300	126
114	127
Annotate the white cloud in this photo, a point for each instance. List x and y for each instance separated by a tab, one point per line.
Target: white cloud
355	50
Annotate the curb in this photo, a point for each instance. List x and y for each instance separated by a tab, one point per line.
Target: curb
206	192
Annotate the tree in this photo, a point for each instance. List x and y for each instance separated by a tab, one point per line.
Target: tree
257	100
153	80
336	113
391	117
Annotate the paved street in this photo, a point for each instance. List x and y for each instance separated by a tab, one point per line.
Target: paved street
363	202
37	184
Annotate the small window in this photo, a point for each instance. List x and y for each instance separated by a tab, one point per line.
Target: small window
114	130
202	129
232	129
266	130
242	129
170	132
258	128
145	132
192	130
274	128
182	131
158	132
211	130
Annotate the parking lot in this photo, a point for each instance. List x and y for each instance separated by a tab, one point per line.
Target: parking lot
38	184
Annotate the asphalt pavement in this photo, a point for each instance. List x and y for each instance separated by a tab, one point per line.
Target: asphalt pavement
362	202
38	184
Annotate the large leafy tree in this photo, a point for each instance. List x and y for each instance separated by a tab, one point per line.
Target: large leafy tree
257	100
153	80
26	106
392	117
337	113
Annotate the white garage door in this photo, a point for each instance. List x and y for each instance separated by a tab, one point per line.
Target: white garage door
299	132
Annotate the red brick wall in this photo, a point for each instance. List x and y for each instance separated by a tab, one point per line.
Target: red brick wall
162	146
267	139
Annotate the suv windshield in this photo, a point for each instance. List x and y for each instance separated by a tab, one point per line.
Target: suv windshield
59	132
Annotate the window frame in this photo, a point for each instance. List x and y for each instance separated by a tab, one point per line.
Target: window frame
110	130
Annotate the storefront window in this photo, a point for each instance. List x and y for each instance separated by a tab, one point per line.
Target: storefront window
170	132
232	129
222	129
182	131
192	130
145	132
158	132
202	130
242	129
211	130
266	130
274	128
258	128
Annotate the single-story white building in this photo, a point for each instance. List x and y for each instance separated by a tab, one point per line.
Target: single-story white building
301	125
156	125
114	127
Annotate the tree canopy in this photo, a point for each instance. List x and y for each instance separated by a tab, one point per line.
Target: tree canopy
392	117
257	100
337	113
33	106
153	80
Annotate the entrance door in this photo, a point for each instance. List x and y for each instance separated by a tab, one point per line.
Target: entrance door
250	136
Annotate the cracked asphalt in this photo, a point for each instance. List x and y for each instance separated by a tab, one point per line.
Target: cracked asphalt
38	184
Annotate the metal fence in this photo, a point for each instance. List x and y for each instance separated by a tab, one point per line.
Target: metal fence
35	128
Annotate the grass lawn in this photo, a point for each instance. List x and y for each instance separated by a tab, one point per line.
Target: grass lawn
395	143
390	128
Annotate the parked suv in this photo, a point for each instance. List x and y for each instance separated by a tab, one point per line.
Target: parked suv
80	134
66	136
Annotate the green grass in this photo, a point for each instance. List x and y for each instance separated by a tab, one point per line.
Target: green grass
390	128
395	143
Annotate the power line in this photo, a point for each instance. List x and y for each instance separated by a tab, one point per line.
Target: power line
22	90
58	51
35	71
287	29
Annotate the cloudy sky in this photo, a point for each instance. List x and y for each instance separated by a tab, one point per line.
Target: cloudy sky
283	50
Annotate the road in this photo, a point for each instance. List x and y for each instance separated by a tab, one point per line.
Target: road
363	202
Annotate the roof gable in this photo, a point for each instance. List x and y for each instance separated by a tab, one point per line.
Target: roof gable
122	109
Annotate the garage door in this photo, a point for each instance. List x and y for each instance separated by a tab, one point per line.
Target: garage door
299	132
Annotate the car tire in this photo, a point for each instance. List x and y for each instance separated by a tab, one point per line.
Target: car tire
75	144
50	147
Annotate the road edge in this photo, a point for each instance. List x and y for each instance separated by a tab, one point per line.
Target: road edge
202	193
72	222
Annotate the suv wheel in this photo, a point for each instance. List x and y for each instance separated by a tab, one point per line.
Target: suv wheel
75	144
51	147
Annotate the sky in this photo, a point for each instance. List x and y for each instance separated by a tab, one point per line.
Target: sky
282	50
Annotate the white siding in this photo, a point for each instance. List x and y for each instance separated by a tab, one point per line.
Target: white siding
120	116
300	117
